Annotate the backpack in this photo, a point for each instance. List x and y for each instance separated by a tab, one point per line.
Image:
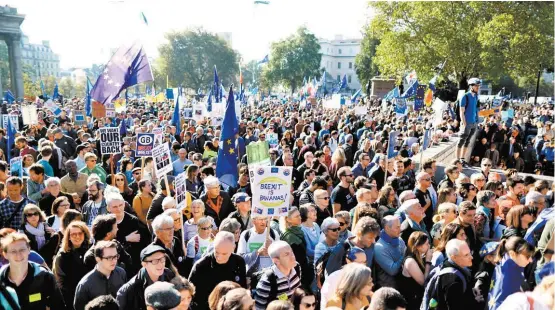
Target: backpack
430	292
248	235
272	278
458	109
320	268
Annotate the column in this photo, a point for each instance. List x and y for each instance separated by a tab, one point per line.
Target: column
14	48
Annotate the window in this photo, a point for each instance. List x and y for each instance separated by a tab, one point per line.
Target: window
349	79
350	65
338	65
338	78
339	51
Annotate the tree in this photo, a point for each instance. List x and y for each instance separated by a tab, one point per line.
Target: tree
484	39
80	89
189	58
365	67
252	72
293	59
4	66
66	87
30	88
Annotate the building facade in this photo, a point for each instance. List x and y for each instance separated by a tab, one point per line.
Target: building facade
40	57
338	59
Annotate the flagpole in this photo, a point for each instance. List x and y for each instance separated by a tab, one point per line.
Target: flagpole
386	160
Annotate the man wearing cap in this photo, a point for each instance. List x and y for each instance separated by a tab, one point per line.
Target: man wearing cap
469	116
242	203
161	296
153	259
66	143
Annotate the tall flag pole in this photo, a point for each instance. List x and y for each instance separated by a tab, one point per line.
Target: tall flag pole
88	106
226	165
175	117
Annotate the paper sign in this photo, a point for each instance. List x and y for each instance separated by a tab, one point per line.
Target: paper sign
271	190
258	153
187	113
14	118
198	111
29	114
98	110
162	160
272	139
181	190
361	110
158	135
53	107
334	102
145	144
110	140
79	118
218	109
16	166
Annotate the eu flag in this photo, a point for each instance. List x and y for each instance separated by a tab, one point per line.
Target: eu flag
394	93
11	138
343	82
88	105
175	117
411	91
55	94
129	66
226	165
419	99
426	141
209	102
8	96
264	60
123	128
354	97
43	91
216	88
391	144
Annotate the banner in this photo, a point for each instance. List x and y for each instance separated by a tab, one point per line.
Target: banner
79	118
334	102
53	107
258	153
271	190
162	160
145	144
181	190
272	139
15	121
29	114
110	140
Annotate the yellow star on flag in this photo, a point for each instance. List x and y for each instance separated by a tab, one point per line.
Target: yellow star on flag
228	141
231	151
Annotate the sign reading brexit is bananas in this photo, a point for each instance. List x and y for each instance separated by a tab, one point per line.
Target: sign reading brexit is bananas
271	190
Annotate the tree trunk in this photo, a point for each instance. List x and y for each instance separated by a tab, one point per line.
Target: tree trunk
463	82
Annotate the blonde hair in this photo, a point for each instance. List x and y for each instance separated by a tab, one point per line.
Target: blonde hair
13	237
354	278
31	207
442	209
338	156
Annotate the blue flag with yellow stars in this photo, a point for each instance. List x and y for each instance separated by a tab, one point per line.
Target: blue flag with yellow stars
419	98
226	164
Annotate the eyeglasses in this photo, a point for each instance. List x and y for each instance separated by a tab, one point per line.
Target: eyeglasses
486	165
136	173
78	234
111	258
92	160
472	189
480	180
205	228
307	305
64	205
157	261
334	229
347	175
341	224
32	214
20	251
119	180
428	179
325	198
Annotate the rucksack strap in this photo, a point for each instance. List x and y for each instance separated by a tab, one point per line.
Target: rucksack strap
4	291
458	273
197	244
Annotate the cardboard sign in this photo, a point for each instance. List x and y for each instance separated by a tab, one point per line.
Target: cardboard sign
145	144
187	113
271	190
272	139
158	135
29	114
162	160
110	140
98	110
53	107
14	118
258	153
79	118
16	166
181	190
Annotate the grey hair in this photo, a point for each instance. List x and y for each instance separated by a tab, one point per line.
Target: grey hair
533	197
408	205
389	220
404	195
52	179
345	216
161	220
222	237
354	277
453	247
476	176
274	250
421	175
111	197
230	224
200	203
211	181
168	203
203	221
329	221
170	212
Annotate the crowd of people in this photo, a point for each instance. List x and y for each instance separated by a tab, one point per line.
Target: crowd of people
366	229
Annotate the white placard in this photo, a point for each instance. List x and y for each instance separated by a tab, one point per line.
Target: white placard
271	190
29	114
198	111
110	140
361	110
181	190
158	135
14	118
53	107
162	160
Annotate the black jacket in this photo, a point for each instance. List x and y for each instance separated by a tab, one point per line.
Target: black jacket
96	284
69	269
177	256
225	209
132	294
39	285
124	260
451	294
45	203
236	215
207	273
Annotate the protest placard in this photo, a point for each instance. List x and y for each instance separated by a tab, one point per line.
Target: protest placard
52	106
272	139
198	111
16	166
79	118
29	114
98	110
361	110
110	140
271	190
14	118
158	135
187	113
258	153
162	160
181	190
145	144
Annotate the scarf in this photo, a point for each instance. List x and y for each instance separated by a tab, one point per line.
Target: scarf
216	207
294	235
38	232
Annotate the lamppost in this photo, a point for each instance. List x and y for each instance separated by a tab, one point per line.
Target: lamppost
538	85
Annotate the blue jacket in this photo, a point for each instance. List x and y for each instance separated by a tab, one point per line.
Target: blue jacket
389	258
357	170
508	278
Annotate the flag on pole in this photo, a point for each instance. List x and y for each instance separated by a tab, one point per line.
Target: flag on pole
426	141
175	117
128	66
55	93
8	96
411	91
143	17
354	97
343	82
123	128
216	88
391	144
419	98
43	91
209	102
411	77
226	165
88	105
323	82
11	138
264	60
394	93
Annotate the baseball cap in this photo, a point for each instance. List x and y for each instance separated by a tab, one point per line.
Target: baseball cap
241	197
488	248
162	296
149	250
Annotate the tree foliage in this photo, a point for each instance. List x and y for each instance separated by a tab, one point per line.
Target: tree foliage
293	59
365	66
189	57
484	39
66	87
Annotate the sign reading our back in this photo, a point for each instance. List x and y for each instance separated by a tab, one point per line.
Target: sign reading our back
110	140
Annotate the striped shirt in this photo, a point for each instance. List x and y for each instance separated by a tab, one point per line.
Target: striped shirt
286	285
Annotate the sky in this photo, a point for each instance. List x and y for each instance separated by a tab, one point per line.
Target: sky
83	32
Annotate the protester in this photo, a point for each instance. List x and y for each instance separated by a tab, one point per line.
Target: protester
219	291
387	298
11	208
161	296
353	289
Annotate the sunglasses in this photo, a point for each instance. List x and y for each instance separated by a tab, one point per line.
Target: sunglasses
325	198
486	165
205	228
136	173
341	224
334	229
32	214
307	305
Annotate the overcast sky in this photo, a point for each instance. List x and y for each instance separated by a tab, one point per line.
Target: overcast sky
82	32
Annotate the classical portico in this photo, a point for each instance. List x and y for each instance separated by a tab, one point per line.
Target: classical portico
10	32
